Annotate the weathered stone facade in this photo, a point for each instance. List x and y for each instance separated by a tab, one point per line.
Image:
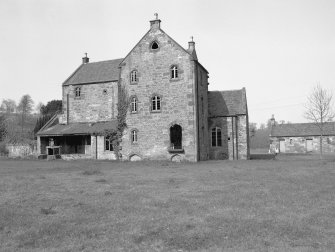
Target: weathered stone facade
179	98
97	102
170	119
301	138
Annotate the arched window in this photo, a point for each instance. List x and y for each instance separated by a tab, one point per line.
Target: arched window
154	45
77	91
176	137
134	136
133	104
156	103
133	76
216	137
174	72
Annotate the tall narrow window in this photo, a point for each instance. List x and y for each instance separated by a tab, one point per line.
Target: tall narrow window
108	144
77	91
156	103
176	137
174	72
133	105
133	76
134	136
216	137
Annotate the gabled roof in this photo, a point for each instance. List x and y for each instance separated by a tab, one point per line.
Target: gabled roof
95	72
302	129
227	103
78	128
192	54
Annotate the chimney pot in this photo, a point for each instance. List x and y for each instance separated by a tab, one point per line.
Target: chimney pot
86	59
155	24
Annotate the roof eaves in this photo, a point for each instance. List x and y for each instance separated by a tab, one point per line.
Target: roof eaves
75	71
93	82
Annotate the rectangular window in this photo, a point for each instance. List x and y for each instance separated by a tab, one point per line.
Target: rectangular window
77	92
214	138
108	144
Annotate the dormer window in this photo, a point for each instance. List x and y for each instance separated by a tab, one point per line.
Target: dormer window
133	76
154	45
174	72
77	92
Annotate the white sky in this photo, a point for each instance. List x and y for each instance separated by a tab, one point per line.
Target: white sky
277	49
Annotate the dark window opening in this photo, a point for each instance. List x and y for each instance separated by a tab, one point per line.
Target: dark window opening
216	137
108	144
134	136
77	91
174	72
156	103
176	137
133	105
154	45
133	77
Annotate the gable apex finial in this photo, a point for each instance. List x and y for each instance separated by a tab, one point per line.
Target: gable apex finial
156	14
192	38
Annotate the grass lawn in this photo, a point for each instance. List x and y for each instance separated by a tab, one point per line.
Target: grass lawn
271	205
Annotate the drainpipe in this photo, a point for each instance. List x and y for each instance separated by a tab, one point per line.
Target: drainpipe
96	146
232	136
236	132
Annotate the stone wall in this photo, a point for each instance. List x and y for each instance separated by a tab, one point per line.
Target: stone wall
299	144
177	98
235	143
102	153
202	100
97	102
21	150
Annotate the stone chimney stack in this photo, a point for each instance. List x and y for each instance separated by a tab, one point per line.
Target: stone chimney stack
156	23
273	121
191	49
86	59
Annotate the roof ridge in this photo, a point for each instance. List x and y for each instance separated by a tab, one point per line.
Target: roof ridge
241	89
101	61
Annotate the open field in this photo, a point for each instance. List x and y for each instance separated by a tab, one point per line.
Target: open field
274	205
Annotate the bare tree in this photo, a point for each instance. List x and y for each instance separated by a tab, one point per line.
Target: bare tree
319	109
25	107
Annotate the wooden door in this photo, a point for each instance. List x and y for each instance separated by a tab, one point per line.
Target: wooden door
282	146
309	145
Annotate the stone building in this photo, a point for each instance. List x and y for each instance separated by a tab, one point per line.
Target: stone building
171	116
302	138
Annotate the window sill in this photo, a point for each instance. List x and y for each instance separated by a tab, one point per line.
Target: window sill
175	79
156	111
134	83
170	150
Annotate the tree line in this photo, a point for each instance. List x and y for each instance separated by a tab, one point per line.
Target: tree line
20	122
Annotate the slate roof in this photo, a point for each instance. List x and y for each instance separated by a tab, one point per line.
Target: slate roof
95	72
302	129
78	128
227	103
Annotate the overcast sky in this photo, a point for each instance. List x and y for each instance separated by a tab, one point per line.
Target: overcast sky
277	49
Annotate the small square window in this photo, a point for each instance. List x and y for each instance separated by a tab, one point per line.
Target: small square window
77	92
104	91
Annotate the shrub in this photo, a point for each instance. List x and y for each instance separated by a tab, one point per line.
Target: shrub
3	150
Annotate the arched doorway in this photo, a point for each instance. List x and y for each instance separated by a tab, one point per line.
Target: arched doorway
176	137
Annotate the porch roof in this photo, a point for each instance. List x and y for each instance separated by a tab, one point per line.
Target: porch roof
78	129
